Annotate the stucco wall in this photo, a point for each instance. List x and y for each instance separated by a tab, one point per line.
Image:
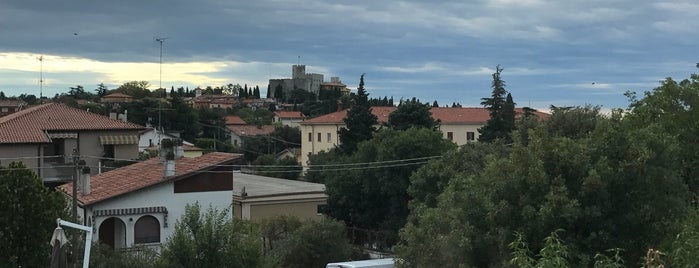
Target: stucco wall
459	132
26	153
90	147
313	146
160	195
302	210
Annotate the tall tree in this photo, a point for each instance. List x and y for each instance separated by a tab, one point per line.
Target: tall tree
359	123
101	90
29	211
497	126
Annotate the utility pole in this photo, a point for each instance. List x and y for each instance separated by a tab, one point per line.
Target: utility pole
76	158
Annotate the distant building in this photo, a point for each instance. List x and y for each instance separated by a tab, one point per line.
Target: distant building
288	118
11	106
335	84
299	80
116	98
237	132
458	125
258	197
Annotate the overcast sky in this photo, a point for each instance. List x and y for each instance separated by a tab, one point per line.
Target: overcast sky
553	52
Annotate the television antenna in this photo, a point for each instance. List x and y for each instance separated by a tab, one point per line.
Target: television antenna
160	87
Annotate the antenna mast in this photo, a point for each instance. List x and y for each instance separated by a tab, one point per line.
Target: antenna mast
41	77
160	86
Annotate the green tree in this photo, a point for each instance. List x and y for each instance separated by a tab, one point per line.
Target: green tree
382	178
674	106
285	168
314	244
212	239
136	89
359	122
29	211
101	90
411	113
600	187
499	124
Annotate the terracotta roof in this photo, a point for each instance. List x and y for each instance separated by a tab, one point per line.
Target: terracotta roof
289	114
338	117
460	115
30	124
234	120
144	174
251	130
446	115
117	95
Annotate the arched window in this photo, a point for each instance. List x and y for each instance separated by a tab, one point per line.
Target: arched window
147	230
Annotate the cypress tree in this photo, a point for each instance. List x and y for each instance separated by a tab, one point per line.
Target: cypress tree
359	121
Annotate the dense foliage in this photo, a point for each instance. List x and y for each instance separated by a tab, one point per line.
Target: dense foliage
28	212
600	182
411	113
377	173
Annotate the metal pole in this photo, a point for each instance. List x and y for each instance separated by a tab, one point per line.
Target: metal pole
88	238
76	157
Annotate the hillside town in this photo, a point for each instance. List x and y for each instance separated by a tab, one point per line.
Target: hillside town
327	174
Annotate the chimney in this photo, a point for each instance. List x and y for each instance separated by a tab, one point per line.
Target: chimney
85	181
178	148
169	168
167	155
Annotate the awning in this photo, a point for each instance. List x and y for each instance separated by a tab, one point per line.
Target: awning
62	135
129	211
122	139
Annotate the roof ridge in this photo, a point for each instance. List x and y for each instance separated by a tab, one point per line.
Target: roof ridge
23	112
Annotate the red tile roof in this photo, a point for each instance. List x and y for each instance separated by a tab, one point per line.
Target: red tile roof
234	120
251	130
381	113
289	114
460	115
446	115
30	124
145	174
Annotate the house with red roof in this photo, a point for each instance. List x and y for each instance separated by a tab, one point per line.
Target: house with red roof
233	120
43	137
238	132
288	118
459	125
138	205
11	106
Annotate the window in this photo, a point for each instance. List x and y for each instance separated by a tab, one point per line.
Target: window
4	109
321	209
330	136
319	138
450	136
310	136
147	230
470	136
108	151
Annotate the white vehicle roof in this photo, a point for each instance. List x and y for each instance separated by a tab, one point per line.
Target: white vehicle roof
377	263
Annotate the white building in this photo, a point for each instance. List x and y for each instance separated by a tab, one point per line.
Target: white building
138	205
